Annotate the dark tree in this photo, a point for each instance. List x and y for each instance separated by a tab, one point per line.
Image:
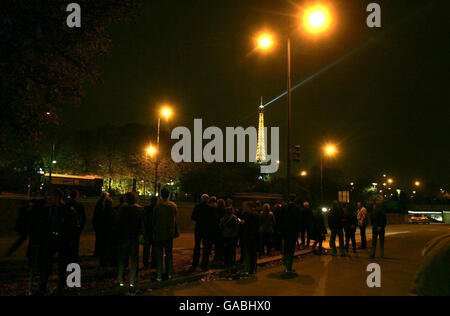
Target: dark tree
45	64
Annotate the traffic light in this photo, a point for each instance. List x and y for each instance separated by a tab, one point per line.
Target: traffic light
297	153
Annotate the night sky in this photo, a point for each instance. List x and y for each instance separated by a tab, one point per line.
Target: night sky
386	106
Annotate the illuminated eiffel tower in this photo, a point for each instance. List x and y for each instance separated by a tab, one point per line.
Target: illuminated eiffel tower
261	149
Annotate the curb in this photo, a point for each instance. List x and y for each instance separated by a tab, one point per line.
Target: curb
152	285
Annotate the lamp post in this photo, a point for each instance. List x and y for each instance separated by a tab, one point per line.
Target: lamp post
166	112
316	20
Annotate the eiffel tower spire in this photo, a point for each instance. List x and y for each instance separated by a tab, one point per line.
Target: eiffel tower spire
261	149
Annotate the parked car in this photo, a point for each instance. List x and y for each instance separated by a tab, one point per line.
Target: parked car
420	219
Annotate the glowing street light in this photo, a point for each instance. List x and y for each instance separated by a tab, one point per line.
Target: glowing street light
166	112
317	19
417	183
303	173
151	151
330	150
390	181
265	41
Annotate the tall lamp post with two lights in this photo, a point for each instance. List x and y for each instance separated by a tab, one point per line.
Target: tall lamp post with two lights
316	20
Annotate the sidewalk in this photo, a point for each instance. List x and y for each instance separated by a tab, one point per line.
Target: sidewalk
97	281
184	277
184	244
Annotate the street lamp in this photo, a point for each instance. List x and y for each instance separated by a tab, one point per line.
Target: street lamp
303	173
316	19
265	41
165	112
150	151
328	151
417	183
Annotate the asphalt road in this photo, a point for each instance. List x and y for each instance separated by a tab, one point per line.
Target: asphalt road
327	275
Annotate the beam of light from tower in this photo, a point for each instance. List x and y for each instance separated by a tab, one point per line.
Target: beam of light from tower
328	67
352	52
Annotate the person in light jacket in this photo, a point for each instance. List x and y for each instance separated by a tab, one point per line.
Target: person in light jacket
362	217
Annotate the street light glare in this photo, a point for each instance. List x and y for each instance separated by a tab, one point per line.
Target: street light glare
265	41
151	151
166	112
317	19
330	150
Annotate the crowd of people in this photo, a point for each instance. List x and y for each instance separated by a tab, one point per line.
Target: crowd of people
54	226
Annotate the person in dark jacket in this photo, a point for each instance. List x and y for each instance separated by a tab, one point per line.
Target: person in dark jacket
250	237
113	242
277	240
204	220
350	224
306	218
230	227
336	225
130	233
164	231
266	229
101	221
80	214
25	228
218	243
318	231
379	222
289	228
56	236
148	229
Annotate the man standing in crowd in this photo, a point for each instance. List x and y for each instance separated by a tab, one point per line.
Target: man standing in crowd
250	237
218	243
27	226
230	226
266	229
350	223
164	231
103	227
289	229
277	240
80	215
318	231
362	223
57	231
335	222
379	222
205	219
148	227
305	225
130	231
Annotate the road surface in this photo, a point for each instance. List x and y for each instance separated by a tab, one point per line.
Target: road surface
327	275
